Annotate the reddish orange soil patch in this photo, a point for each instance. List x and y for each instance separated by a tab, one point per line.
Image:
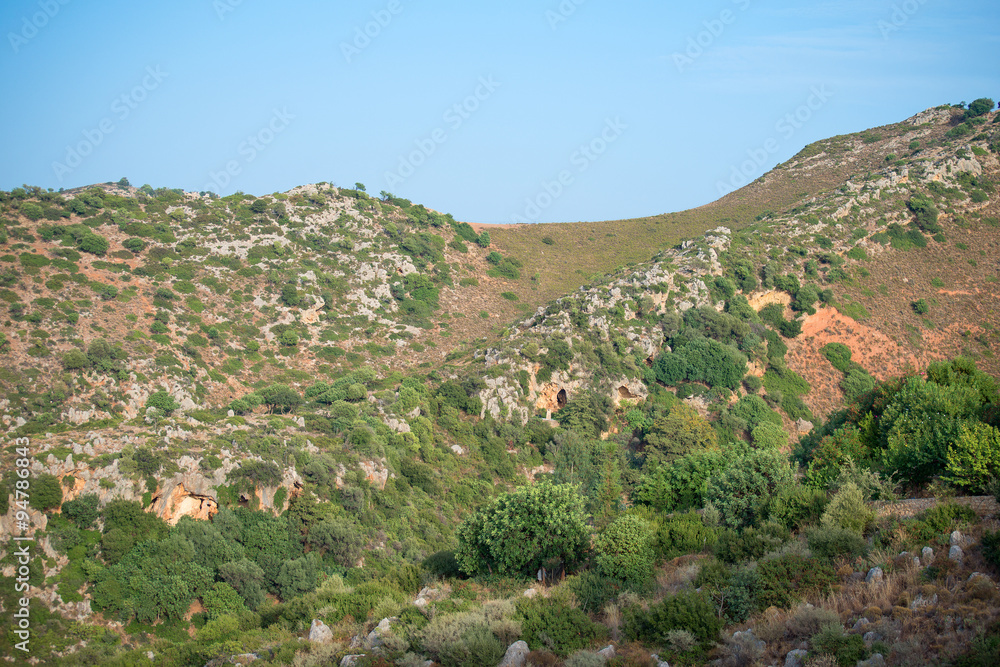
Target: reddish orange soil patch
873	349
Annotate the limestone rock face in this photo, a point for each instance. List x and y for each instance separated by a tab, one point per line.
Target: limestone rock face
375	472
628	390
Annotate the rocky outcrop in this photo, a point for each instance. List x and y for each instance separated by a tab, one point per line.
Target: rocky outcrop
182	501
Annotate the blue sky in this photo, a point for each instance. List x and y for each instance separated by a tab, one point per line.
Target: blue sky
492	111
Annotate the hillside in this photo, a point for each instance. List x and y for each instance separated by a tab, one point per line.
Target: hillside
325	385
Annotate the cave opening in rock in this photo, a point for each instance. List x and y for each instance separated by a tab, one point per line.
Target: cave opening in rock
561	398
623	392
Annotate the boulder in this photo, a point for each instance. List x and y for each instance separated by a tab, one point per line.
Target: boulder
796	658
876	660
956	553
927	555
955	539
516	654
350	660
608	652
320	632
874	576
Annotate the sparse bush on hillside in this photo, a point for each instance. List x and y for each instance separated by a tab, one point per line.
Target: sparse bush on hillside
979	107
163	401
926	213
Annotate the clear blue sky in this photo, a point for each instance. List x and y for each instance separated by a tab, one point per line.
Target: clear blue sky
638	108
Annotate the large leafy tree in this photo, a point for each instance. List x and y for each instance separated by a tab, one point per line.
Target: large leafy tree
542	526
681	431
743	490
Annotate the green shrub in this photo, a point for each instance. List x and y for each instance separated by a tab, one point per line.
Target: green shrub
443	564
551	623
796	505
684	534
920	307
787	579
593	590
82	511
46	492
624	550
991	547
692	612
163	401
973	461
742	492
926	213
681	484
75	359
847	649
749	543
847	509
833	542
839	356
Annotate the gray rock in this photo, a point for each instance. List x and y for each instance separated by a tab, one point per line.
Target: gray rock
874	576
956	539
659	663
350	660
877	660
861	623
515	655
748	637
383	628
608	652
320	632
872	636
956	553
796	658
927	555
